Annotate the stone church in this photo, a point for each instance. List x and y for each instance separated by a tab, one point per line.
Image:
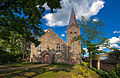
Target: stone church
55	50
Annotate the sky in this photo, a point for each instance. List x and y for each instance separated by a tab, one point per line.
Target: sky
107	11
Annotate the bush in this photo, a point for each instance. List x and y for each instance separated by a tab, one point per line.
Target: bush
105	74
7	57
118	69
84	64
84	72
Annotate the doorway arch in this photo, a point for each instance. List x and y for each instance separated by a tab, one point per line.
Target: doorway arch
47	58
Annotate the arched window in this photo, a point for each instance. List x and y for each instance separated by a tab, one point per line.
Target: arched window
58	47
39	48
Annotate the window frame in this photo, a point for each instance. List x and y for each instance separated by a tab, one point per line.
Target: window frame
39	48
58	47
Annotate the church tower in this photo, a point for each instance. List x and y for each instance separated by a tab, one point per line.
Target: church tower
73	30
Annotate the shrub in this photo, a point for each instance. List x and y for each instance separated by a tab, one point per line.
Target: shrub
7	57
84	72
105	74
84	64
118	69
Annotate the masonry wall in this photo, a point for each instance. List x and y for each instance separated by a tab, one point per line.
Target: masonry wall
75	46
49	41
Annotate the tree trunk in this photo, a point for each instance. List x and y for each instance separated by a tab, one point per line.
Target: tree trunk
90	62
98	63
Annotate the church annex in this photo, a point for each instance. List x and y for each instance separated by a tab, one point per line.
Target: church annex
55	50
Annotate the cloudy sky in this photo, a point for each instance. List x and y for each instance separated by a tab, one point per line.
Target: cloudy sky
106	10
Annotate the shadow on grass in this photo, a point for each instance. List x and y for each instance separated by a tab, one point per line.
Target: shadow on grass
37	71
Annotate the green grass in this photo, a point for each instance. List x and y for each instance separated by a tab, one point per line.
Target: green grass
44	72
23	64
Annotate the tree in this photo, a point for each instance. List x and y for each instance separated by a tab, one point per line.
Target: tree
22	16
92	35
15	45
83	52
115	52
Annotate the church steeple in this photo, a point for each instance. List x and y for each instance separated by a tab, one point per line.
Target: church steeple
73	18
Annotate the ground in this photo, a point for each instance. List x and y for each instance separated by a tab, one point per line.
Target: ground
51	71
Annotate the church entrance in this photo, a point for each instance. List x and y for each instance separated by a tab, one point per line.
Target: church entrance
47	59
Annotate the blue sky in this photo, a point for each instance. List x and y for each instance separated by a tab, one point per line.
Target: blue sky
107	11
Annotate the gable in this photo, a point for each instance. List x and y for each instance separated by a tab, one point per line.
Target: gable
50	36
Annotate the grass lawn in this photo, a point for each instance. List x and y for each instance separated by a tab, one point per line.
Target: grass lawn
52	71
23	64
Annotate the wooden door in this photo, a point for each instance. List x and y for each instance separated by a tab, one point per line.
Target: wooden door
47	59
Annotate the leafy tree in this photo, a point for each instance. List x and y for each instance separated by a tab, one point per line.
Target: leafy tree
92	36
22	16
83	52
115	52
16	44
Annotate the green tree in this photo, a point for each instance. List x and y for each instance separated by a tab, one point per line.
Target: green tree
115	52
83	52
22	16
92	36
16	44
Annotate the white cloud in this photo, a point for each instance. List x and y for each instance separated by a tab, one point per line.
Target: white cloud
62	35
95	20
86	50
46	6
85	8
38	6
114	46
114	40
102	48
45	30
116	31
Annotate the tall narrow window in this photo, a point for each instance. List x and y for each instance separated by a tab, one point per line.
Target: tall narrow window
39	48
73	47
58	47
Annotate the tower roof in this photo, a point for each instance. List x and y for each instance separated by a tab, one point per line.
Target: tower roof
73	18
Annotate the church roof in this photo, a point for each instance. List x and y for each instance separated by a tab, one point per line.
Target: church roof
51	31
72	20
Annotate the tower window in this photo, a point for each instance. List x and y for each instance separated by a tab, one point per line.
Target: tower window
58	47
70	32
39	48
75	32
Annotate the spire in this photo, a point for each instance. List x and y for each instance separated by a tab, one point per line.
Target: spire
73	18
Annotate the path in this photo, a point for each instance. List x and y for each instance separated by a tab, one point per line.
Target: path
23	67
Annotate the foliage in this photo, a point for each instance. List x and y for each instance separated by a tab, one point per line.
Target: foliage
22	16
6	57
16	44
115	52
20	24
83	52
92	36
85	64
105	74
118	69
